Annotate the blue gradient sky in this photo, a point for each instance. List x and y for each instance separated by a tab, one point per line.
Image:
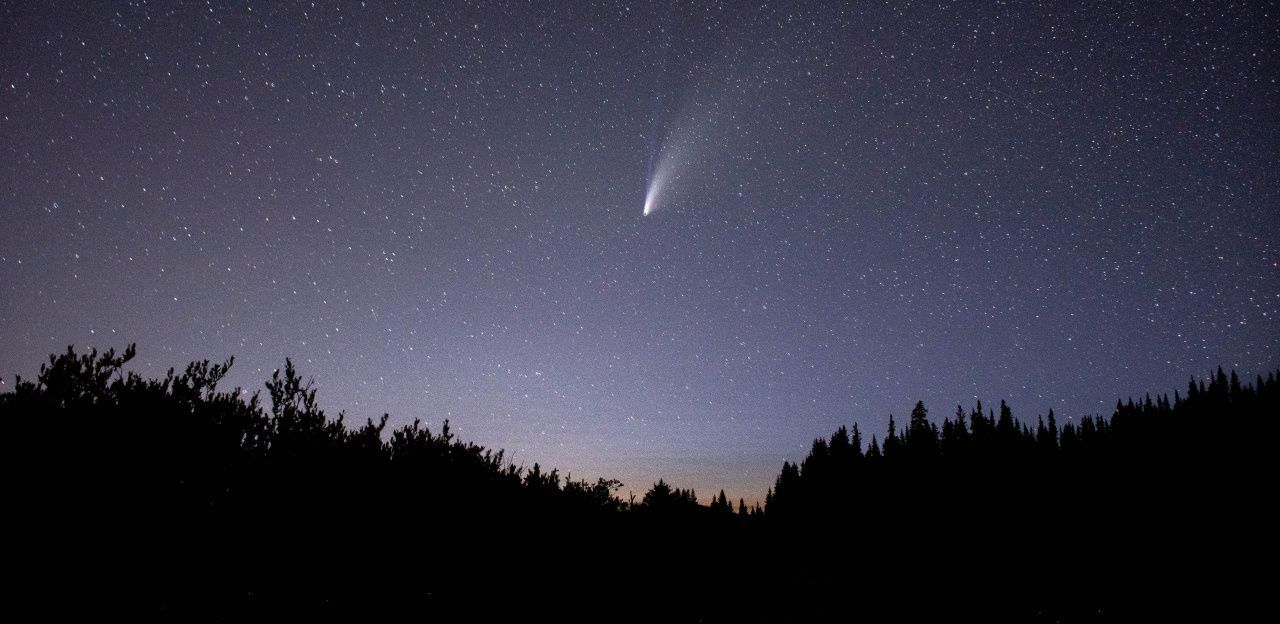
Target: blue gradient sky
437	211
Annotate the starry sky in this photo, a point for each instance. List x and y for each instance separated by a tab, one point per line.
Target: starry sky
438	210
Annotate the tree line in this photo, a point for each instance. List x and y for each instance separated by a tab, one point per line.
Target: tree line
173	496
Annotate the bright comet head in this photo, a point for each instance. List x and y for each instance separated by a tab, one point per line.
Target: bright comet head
651	196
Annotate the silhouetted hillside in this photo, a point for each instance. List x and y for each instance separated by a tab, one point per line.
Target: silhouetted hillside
1143	513
171	496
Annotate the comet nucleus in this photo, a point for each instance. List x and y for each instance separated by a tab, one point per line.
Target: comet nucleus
655	188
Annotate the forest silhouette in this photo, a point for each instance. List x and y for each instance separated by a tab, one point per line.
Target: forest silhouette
172	496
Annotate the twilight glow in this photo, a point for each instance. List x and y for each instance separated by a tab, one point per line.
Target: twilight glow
863	205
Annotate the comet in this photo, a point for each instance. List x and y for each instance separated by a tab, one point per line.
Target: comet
651	196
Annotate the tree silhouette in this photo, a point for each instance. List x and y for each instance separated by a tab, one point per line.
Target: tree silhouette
222	505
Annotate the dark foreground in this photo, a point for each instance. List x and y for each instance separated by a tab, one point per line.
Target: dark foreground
168	497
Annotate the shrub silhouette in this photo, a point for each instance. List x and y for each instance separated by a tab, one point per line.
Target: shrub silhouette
172	496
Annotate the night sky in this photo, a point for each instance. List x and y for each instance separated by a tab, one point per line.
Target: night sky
642	240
